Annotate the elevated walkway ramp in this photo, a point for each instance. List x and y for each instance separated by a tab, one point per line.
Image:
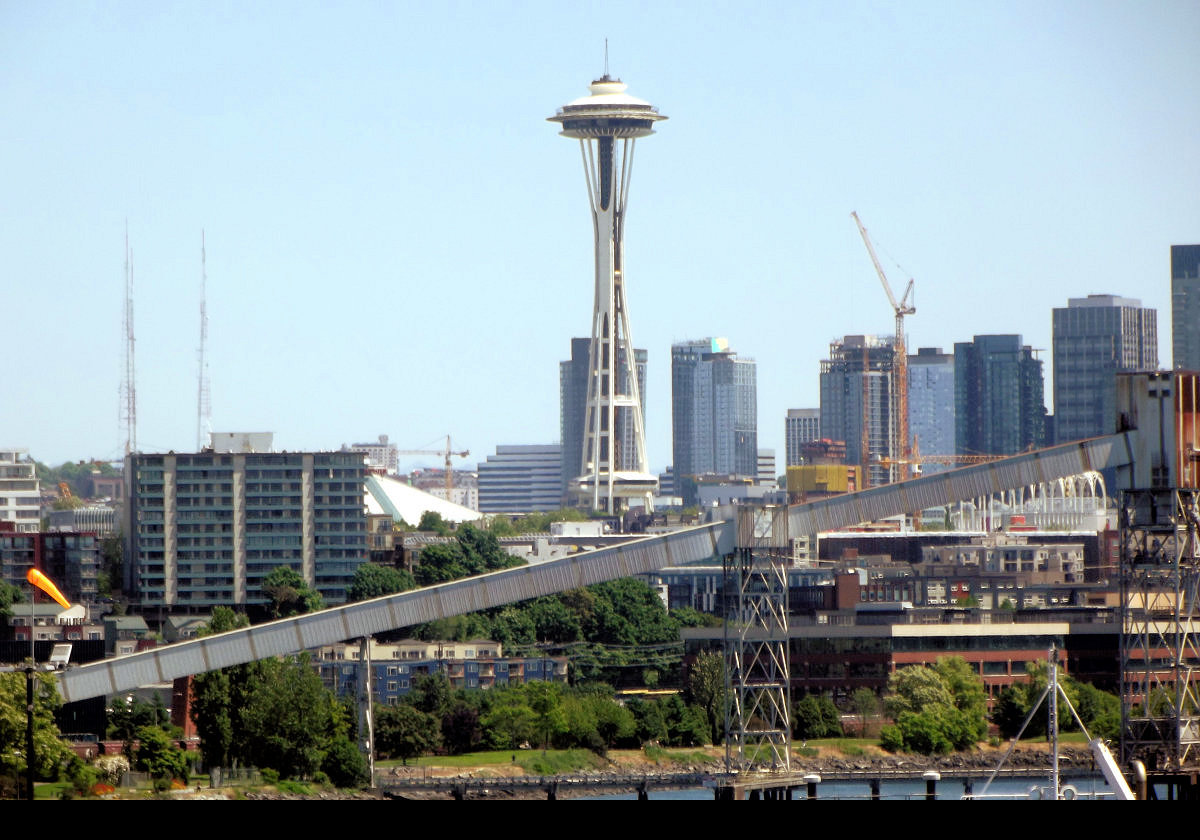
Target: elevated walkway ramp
365	618
1026	469
693	545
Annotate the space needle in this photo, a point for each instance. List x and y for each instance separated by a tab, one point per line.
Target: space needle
613	467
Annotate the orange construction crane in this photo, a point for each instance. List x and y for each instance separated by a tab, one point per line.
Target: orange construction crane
898	444
447	452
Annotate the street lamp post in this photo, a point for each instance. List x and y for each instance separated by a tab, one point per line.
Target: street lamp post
37	581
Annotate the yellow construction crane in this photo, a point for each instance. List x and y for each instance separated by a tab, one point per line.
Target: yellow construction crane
448	452
915	459
898	444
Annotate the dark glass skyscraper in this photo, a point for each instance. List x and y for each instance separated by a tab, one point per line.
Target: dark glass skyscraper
931	404
1185	307
999	396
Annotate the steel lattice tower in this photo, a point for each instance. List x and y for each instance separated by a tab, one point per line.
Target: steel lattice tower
756	644
606	123
1160	639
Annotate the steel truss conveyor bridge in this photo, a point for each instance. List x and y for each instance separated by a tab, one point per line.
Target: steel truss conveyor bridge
702	543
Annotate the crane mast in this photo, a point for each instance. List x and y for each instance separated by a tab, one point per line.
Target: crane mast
898	442
448	452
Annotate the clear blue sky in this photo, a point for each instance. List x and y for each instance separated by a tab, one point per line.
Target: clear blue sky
398	242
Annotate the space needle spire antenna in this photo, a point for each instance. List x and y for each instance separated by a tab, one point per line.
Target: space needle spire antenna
203	397
613	467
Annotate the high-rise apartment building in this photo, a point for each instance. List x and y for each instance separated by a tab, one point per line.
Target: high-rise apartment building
714	412
572	391
203	530
71	560
521	479
858	373
999	396
20	491
381	455
931	404
1185	307
1094	338
801	426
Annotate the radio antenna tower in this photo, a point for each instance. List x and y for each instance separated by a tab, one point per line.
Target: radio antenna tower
203	398
128	384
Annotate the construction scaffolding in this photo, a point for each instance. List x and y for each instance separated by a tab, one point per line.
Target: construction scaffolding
758	725
1160	639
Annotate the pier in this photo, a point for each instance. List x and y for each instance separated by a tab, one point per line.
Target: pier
724	786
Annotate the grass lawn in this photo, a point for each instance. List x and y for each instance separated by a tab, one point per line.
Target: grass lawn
534	762
472	759
1063	738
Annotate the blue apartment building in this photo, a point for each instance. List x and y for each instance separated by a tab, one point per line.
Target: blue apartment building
395	667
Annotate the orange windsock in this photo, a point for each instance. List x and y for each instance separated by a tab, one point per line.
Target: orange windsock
46	585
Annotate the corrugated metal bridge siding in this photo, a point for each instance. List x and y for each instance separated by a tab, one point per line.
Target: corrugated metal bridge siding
408	608
956	485
511	585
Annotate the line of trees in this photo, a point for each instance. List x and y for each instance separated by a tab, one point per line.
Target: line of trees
435	716
274	713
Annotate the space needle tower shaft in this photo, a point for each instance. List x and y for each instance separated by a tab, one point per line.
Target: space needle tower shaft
613	465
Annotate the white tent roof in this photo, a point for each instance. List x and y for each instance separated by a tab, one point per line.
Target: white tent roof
403	501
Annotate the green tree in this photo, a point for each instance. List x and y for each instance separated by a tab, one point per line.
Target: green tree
126	715
287	594
460	729
432	521
159	756
290	718
915	688
501	526
405	732
218	697
51	753
687	725
545	700
440	563
373	581
688	617
706	689
614	723
344	764
970	698
650	721
509	723
866	705
815	716
553	621
512	626
925	732
431	694
9	595
936	709
1099	710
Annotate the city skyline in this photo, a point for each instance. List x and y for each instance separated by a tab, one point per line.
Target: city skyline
383	204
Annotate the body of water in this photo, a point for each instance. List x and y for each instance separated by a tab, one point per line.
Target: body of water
1016	789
